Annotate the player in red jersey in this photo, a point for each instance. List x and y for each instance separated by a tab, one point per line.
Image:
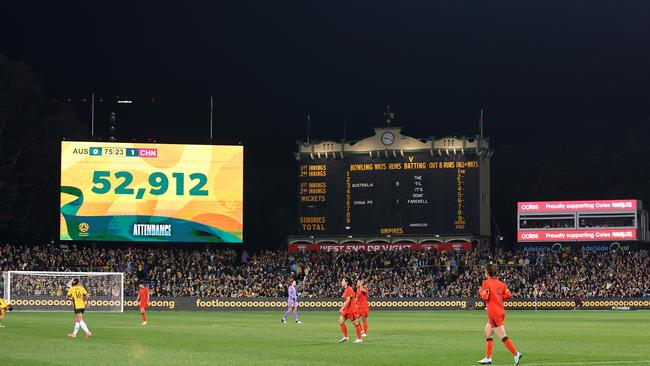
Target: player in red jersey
494	293
143	298
349	311
362	304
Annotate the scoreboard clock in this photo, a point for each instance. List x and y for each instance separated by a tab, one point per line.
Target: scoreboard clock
387	138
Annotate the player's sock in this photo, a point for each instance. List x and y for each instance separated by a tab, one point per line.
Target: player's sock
76	328
489	346
357	327
286	313
83	326
510	346
144	317
344	329
295	315
365	326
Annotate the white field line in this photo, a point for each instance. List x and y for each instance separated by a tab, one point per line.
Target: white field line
524	363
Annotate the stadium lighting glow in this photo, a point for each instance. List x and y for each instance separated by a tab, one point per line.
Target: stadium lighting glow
124	102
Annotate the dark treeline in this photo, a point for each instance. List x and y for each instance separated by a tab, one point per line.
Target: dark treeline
31	126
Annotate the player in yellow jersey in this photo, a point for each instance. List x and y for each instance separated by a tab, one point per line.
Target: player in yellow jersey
80	300
4	307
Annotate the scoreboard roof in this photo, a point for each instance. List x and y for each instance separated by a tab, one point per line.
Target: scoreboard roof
390	141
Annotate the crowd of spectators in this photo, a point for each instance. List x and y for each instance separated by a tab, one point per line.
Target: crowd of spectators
609	222
569	223
530	223
397	273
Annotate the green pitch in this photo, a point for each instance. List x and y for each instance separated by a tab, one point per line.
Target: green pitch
258	338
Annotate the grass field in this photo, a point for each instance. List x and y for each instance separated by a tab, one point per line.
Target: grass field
258	338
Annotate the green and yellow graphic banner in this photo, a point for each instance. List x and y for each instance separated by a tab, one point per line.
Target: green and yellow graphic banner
151	192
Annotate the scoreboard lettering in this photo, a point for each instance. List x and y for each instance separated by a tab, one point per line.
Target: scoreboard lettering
313	223
413	195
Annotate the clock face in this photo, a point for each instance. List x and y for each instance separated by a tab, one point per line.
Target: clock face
387	138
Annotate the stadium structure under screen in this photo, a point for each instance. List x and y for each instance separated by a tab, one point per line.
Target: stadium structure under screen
151	192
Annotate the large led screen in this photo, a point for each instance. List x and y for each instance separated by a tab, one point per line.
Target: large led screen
151	192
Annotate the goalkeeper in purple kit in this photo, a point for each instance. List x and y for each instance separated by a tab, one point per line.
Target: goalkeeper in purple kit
292	303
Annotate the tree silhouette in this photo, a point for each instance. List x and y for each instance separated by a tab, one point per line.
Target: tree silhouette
31	128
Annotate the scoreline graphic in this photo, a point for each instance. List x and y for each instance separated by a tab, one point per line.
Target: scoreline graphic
151	192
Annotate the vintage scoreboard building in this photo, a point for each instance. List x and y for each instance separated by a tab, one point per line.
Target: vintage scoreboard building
391	190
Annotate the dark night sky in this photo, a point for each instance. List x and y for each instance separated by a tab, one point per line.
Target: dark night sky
536	67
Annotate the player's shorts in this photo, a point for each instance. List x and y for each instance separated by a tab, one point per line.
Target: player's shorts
79	311
350	315
496	320
363	312
292	303
144	306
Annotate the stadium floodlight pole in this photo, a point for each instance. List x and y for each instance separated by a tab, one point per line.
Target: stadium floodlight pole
211	115
92	116
308	127
480	123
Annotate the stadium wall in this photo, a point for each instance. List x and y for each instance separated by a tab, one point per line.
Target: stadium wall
251	304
